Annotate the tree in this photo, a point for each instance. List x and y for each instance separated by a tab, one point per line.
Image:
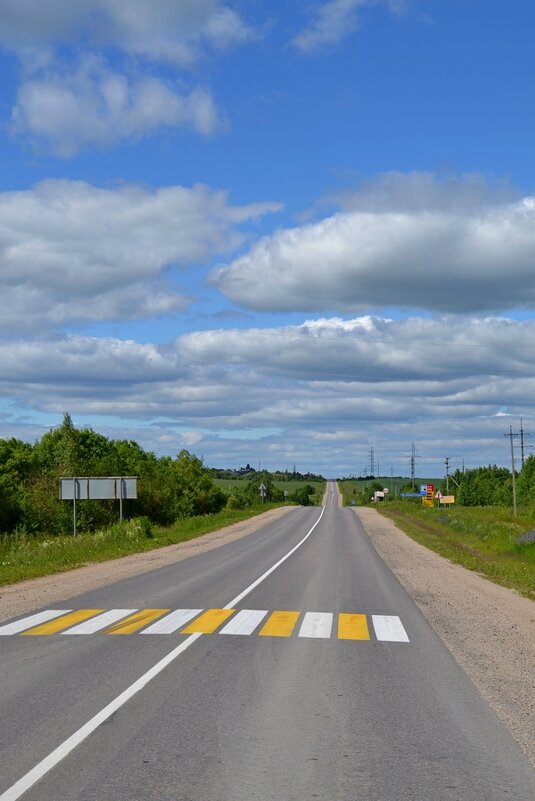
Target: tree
485	486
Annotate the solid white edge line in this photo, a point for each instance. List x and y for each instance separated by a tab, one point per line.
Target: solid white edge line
58	754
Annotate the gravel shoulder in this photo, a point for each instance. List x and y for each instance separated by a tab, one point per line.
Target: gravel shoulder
490	630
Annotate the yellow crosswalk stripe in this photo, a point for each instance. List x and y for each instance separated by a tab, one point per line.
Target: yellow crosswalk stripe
208	622
279	624
63	622
136	621
353	627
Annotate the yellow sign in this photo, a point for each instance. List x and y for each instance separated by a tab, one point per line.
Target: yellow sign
427	501
447	499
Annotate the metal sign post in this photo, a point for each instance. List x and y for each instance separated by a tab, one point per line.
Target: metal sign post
74	507
97	488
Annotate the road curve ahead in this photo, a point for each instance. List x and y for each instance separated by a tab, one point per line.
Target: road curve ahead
285	666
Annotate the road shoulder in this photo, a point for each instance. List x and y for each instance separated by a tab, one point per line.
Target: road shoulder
490	630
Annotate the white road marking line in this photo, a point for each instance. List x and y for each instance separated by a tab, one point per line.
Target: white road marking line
244	622
99	622
235	601
58	754
316	624
389	628
31	621
172	622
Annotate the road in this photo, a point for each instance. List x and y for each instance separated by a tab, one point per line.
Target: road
325	682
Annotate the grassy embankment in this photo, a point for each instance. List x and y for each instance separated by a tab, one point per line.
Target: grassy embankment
24	556
483	539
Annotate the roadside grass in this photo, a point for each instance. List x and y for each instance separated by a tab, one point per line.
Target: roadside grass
25	556
483	539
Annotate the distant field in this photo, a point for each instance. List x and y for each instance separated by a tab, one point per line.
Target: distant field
352	488
289	486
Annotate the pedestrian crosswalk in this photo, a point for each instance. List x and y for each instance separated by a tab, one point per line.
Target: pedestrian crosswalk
244	622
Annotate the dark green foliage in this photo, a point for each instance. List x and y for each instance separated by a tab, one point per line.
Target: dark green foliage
168	489
525	484
302	495
484	486
272	493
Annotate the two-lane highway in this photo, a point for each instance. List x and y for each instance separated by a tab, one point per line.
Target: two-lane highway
290	664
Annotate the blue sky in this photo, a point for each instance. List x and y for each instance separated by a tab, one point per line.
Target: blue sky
270	232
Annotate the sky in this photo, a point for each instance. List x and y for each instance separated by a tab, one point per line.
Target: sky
275	233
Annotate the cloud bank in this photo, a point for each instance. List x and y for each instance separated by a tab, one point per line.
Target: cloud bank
321	392
70	251
449	247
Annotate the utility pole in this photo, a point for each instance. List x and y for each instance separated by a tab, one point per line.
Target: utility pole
413	464
447	463
511	437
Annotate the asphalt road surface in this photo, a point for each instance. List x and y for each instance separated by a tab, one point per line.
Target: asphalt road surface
285	666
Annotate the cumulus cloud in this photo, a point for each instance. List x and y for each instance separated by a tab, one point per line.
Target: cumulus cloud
71	110
324	391
69	102
71	251
447	247
334	20
157	29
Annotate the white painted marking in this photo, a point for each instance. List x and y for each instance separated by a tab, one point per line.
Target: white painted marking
389	628
99	622
316	624
235	601
171	623
31	621
245	622
58	754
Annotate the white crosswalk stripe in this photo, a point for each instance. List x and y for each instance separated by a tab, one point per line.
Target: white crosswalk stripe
316	624
32	620
172	622
389	628
244	622
99	622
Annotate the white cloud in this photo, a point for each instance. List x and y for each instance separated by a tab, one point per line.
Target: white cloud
334	20
321	393
71	110
158	29
67	103
456	246
71	251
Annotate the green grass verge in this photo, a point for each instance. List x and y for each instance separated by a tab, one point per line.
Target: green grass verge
483	539
24	556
